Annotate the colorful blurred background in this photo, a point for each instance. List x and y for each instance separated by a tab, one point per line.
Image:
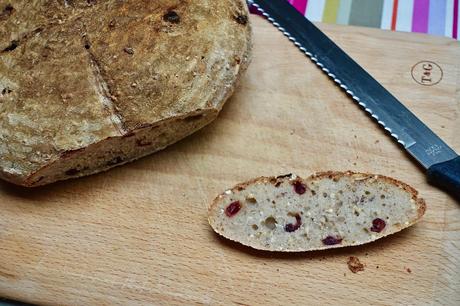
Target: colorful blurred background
435	17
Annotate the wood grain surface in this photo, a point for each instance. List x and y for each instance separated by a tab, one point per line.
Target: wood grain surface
138	235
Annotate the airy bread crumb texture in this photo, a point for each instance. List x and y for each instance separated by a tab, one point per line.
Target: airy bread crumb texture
326	210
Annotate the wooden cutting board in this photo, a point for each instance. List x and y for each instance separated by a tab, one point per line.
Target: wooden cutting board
139	235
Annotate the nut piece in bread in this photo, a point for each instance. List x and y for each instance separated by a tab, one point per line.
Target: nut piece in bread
89	85
326	210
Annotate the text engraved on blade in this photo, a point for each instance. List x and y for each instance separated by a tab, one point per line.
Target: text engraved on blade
434	150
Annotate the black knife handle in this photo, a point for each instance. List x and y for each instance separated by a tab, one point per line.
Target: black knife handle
446	176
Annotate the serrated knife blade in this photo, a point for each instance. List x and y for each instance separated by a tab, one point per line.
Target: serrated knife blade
442	163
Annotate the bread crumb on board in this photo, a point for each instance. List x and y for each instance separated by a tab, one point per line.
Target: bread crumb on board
354	264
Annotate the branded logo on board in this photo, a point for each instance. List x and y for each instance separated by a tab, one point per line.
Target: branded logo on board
427	73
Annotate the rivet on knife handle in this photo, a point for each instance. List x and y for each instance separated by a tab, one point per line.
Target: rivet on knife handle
424	145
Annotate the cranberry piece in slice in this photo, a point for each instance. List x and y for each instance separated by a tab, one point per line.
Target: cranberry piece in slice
299	188
233	209
293	227
378	225
329	240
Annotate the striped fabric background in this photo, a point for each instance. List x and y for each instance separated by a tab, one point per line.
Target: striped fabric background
436	17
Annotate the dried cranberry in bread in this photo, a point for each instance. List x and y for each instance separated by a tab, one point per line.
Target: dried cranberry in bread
326	210
89	85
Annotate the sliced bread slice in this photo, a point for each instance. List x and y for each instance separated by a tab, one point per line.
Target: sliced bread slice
326	210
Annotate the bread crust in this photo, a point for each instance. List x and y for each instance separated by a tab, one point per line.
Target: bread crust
103	70
419	202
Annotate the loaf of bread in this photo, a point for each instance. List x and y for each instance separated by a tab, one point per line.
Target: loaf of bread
326	210
89	85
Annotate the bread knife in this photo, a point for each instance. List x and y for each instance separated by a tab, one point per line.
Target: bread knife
441	162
